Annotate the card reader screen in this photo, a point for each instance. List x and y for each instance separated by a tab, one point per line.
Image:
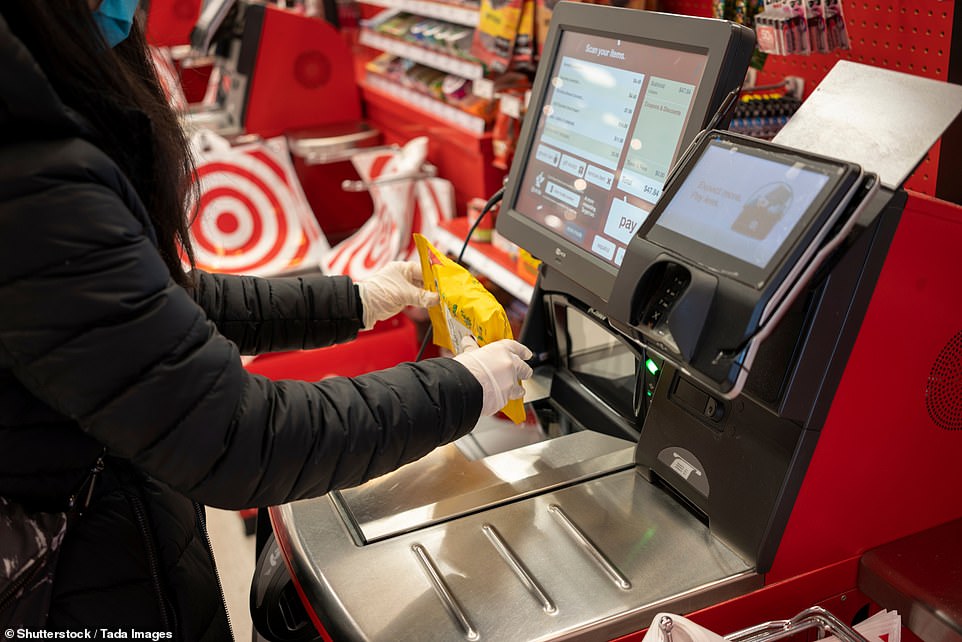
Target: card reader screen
741	204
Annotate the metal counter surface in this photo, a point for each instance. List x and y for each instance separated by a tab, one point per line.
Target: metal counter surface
455	481
592	559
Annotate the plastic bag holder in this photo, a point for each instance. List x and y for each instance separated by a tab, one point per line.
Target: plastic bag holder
812	617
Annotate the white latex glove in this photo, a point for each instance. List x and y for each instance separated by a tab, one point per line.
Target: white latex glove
392	288
499	366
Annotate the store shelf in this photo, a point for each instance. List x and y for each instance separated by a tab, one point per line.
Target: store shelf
483	258
433	107
449	13
422	55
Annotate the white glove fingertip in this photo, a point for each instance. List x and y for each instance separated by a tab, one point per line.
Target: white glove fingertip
468	343
428	299
525	372
519	349
409	270
516	392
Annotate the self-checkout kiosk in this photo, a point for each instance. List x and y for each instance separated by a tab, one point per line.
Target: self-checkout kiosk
277	70
738	343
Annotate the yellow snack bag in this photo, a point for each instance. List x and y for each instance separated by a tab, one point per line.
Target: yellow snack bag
466	307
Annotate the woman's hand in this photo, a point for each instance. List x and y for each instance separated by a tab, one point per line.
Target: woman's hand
392	288
499	367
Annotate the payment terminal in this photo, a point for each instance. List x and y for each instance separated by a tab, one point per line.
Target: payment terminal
742	227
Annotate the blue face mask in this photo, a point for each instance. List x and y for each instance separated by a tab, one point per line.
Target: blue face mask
115	17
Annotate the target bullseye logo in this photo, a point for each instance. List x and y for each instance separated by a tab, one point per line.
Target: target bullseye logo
248	220
227	223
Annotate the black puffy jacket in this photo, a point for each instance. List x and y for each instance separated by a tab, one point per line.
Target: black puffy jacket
100	349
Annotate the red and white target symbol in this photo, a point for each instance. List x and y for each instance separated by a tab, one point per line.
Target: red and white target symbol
251	217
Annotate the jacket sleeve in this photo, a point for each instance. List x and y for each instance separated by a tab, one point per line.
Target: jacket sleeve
94	327
282	313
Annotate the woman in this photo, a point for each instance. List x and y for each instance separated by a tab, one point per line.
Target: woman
107	344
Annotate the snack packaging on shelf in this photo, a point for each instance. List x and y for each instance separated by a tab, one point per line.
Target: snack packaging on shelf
455	88
397	24
430	33
507	126
465	308
494	38
542	20
523	57
446	88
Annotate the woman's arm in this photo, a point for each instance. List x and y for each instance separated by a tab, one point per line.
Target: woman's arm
94	327
282	313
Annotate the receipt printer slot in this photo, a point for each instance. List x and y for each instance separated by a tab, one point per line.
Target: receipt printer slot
697	401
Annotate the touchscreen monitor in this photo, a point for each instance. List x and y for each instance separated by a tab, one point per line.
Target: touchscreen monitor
619	95
606	136
739	207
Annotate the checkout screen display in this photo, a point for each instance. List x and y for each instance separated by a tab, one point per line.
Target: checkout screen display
610	125
741	204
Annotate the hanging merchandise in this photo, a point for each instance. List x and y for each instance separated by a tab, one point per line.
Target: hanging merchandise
252	216
836	31
789	27
406	200
782	28
494	38
817	31
465	308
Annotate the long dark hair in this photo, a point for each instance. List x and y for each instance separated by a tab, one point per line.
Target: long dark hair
109	87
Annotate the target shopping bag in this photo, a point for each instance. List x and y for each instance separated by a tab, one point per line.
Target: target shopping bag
252	216
402	207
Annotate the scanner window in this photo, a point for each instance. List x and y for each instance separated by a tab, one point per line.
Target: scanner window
600	360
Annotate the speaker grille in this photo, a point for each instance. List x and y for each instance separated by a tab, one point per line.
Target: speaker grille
943	391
